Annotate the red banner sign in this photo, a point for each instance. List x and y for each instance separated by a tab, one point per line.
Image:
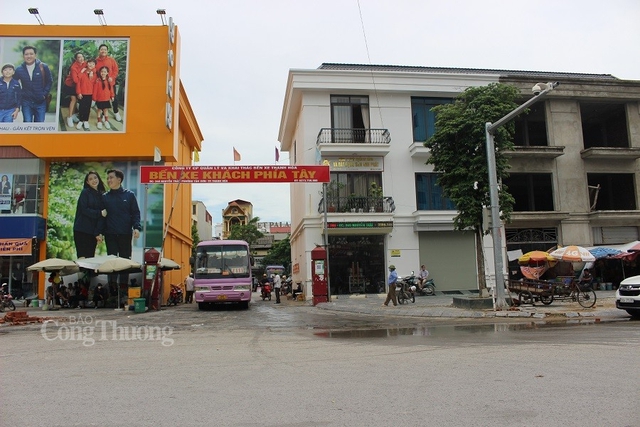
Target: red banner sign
232	174
15	246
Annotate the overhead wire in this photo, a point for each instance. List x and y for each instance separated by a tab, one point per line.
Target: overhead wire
373	80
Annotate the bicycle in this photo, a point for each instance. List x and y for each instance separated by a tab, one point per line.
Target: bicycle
530	291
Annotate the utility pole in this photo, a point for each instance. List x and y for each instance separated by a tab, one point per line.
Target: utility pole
540	91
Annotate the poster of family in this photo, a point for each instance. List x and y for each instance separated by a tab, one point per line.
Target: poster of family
63	85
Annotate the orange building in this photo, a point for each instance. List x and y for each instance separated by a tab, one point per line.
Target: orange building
47	147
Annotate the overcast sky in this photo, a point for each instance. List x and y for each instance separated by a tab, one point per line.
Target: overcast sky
236	55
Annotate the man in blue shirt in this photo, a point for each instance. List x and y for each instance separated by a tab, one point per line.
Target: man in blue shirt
122	218
391	282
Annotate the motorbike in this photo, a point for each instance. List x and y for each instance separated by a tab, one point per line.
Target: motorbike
286	286
406	289
428	287
265	291
7	302
175	295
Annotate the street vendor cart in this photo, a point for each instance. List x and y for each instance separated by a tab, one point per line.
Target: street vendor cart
530	291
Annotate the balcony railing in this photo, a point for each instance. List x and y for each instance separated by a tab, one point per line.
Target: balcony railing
358	204
353	136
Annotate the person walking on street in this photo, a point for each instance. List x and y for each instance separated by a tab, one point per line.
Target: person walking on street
391	282
277	284
188	283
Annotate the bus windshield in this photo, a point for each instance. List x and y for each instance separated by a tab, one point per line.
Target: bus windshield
222	262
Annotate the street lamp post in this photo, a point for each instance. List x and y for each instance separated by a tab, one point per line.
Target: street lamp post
540	90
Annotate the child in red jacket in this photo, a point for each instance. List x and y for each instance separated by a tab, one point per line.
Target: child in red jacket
103	94
84	90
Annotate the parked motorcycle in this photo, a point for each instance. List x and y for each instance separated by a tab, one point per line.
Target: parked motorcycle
428	287
7	302
406	289
175	295
286	287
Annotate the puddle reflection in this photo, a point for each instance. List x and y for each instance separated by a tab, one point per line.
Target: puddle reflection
447	330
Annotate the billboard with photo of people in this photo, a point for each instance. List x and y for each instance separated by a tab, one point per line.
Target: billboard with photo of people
63	85
81	220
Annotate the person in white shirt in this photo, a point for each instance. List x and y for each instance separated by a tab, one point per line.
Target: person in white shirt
422	276
188	283
277	284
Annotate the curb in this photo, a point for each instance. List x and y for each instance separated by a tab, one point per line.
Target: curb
442	307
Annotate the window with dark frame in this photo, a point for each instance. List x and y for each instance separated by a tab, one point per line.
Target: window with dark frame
350	118
353	189
423	117
429	196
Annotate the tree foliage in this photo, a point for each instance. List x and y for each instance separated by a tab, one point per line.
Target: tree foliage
195	237
279	254
248	232
459	155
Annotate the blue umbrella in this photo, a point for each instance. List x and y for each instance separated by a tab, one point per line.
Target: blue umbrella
603	252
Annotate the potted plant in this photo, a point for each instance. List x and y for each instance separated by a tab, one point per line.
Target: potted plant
352	202
375	196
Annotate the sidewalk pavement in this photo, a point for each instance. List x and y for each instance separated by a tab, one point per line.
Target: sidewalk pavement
437	306
441	306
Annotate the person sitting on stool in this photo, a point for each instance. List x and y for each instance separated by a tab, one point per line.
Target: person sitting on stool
296	291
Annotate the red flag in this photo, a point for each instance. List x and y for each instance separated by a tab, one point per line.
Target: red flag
277	154
236	155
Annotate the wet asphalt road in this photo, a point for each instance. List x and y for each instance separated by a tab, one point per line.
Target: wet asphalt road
296	365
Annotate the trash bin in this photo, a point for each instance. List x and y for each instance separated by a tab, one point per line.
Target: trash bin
133	293
139	304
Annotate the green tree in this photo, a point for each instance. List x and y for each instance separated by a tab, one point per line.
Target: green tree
196	239
459	156
248	232
279	254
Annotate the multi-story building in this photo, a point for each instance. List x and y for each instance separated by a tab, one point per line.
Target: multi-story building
203	220
237	212
574	171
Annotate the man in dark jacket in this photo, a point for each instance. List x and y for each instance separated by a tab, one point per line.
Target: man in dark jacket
10	94
123	218
36	80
